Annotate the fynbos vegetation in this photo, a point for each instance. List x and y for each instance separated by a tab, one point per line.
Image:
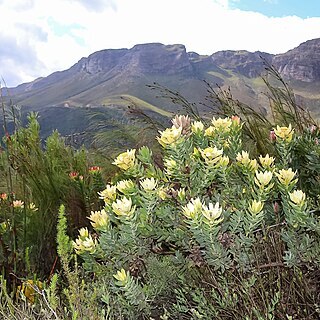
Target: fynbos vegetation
218	229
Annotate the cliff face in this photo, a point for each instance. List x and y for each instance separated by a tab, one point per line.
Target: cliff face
301	63
153	58
158	59
249	64
101	61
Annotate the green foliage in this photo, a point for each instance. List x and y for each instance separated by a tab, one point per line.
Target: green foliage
210	228
81	301
39	177
64	247
236	229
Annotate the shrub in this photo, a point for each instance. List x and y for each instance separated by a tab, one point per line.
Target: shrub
214	233
41	174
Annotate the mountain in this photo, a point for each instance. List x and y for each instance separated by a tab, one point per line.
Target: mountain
108	80
301	63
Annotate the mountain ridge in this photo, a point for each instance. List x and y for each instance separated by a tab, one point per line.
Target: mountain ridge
98	80
223	58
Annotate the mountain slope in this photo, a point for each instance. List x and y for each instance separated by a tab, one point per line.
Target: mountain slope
96	83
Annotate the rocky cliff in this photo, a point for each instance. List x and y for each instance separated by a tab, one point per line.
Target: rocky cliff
249	64
301	63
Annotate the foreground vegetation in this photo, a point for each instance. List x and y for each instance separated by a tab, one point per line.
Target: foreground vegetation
224	223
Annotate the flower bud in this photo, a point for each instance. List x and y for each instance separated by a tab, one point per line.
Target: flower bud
148	184
123	207
272	136
125	160
169	136
256	207
262	179
285	177
197	127
297	197
284	133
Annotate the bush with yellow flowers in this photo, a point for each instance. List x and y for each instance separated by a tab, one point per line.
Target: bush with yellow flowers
213	233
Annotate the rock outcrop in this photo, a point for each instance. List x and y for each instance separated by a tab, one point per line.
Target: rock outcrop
151	58
249	64
301	63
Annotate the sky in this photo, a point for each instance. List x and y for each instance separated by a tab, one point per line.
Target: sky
39	37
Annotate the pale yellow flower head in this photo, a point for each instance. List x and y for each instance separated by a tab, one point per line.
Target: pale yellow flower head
209	132
122	276
109	194
162	193
253	165
33	207
99	219
212	213
197	127
298	197
83	233
125	186
89	244
125	160
243	157
284	133
169	136
149	184
170	165
266	161
84	242
123	207
285	176
182	194
222	124
256	207
193	208
224	161
211	155
262	179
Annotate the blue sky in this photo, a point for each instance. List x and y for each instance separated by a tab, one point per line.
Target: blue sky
280	8
39	37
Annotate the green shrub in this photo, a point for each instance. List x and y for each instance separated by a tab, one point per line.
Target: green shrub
215	233
41	174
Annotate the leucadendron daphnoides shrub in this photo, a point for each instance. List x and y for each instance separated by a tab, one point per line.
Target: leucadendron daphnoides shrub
210	233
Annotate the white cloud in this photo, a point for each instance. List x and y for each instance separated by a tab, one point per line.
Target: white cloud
97	5
58	33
